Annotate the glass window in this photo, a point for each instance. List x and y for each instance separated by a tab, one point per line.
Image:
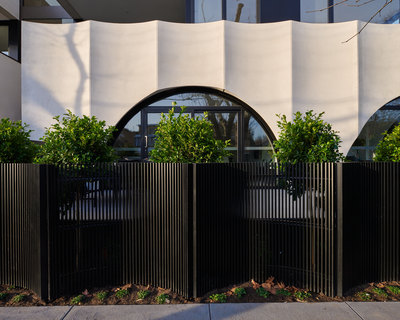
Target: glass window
4	39
381	121
41	3
248	140
128	143
207	10
257	145
242	10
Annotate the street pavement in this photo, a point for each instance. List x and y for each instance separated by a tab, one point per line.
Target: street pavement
236	311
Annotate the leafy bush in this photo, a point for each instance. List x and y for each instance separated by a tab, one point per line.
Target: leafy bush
240	292
380	292
102	295
75	140
142	294
78	299
3	295
162	298
388	148
306	139
218	297
121	293
262	292
394	289
365	296
15	145
180	138
302	295
283	292
18	298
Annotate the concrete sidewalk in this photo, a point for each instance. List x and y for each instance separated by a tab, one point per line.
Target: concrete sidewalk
245	311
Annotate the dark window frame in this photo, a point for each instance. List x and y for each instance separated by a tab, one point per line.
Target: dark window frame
14	39
239	107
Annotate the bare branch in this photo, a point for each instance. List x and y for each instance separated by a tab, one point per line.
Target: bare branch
359	5
326	8
370	19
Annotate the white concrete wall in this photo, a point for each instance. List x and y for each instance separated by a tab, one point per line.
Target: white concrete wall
105	69
11	7
10	88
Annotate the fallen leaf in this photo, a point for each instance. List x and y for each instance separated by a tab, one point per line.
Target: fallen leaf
255	284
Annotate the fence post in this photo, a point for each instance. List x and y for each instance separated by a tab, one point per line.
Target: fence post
44	254
194	226
339	229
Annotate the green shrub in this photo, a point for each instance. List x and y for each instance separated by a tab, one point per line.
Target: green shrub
240	292
78	299
365	296
180	138
262	292
283	292
162	298
394	289
121	293
102	295
218	297
74	140
302	295
142	294
306	139
380	292
3	295
15	145
388	148
18	298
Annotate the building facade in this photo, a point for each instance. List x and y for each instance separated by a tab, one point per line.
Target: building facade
84	59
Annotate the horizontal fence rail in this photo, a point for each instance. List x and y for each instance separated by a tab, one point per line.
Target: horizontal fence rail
198	227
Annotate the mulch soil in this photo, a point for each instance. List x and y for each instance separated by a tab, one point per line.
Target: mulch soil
269	291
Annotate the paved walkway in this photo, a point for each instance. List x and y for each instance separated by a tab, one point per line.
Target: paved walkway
245	311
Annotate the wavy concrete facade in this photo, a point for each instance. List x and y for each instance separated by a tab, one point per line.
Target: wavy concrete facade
105	69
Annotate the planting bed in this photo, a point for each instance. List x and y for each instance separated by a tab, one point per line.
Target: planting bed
269	291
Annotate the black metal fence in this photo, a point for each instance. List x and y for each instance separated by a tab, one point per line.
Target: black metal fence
194	228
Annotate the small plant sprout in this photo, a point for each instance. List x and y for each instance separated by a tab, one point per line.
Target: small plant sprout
121	293
218	297
262	292
3	295
394	289
240	292
102	295
283	292
364	296
162	298
78	299
302	295
142	294
380	292
10	287
19	298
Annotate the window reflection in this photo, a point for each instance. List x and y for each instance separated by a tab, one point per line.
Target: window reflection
207	10
385	119
128	143
194	99
257	145
242	10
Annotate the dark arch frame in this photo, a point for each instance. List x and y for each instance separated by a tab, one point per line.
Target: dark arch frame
386	106
167	92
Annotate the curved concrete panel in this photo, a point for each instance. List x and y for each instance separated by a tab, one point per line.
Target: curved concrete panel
104	69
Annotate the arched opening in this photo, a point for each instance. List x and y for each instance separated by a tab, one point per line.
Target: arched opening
385	119
251	138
